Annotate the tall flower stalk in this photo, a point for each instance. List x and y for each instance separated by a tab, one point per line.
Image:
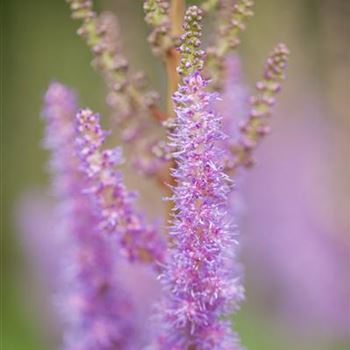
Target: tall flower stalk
256	127
96	311
116	212
199	282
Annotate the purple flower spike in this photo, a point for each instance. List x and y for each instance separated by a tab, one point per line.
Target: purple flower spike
60	105
114	202
200	285
96	311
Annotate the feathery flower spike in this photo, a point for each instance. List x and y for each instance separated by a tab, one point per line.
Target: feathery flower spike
254	129
233	16
114	203
199	283
95	309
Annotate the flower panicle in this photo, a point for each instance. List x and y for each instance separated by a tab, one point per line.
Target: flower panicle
93	306
232	16
256	127
199	284
115	203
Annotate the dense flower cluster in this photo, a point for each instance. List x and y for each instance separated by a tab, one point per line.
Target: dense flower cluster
199	283
94	307
114	203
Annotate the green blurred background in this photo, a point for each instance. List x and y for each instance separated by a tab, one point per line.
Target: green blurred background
40	44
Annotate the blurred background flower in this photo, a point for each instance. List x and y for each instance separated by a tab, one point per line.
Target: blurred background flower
295	223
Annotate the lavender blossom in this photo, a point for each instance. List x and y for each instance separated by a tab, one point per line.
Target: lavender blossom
199	285
116	213
198	282
96	310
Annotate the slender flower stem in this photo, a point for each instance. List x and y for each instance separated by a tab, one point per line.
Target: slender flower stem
177	10
115	203
256	127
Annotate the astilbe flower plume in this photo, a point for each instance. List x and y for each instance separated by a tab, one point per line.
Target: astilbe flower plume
95	309
199	284
198	281
116	212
